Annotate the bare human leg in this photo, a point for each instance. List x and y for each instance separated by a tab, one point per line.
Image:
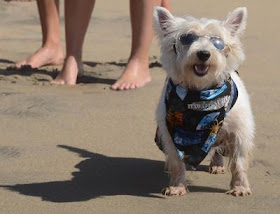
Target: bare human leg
51	52
77	17
136	73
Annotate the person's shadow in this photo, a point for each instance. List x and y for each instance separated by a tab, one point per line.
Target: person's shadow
100	176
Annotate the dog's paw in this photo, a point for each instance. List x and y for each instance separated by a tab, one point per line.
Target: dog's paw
174	190
216	169
239	191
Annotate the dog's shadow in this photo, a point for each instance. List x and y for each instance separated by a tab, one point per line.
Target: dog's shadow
100	176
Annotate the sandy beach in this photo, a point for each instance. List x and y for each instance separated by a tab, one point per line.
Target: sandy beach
87	149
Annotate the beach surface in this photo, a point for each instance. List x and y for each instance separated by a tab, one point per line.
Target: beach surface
87	149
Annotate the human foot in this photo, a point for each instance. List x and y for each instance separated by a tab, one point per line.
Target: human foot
69	73
43	56
135	75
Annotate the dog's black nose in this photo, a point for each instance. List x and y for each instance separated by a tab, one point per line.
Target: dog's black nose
203	55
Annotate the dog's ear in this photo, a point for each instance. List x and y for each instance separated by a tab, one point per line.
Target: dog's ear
236	21
164	22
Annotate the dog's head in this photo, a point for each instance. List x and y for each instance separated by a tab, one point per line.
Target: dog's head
198	53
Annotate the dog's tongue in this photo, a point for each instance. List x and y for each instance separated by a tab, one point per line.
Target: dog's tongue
201	69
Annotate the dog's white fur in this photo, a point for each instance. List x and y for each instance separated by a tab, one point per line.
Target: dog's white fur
237	133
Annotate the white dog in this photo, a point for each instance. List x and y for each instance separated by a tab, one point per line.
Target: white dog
204	103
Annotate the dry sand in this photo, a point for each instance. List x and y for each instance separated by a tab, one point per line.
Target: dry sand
87	149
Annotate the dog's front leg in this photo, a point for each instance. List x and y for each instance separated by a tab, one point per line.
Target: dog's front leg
239	165
174	166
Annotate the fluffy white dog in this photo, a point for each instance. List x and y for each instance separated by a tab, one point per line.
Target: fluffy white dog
204	104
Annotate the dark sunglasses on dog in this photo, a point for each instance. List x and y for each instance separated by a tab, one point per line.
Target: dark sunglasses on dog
188	39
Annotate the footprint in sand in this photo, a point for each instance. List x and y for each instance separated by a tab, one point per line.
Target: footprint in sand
9	152
35	106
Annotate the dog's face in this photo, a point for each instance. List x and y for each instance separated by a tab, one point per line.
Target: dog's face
198	53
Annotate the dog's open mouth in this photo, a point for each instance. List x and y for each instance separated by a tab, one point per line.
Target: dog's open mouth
201	69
